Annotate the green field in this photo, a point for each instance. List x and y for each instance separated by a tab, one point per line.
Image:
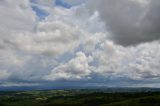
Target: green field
78	98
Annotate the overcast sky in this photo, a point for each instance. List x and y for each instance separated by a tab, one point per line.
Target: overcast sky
58	43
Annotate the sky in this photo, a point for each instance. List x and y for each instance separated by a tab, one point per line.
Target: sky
79	43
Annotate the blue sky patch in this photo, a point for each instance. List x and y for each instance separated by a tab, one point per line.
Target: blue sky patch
40	13
62	4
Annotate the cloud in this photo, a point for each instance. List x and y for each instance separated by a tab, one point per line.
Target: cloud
74	2
76	69
30	52
129	21
4	75
51	38
16	15
44	2
81	44
135	63
42	7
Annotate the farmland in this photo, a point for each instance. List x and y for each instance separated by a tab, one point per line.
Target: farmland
79	97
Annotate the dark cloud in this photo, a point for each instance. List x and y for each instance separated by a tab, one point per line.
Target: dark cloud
130	21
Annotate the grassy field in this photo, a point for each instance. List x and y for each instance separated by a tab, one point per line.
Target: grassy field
78	98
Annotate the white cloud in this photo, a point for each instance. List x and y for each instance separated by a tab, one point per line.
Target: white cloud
32	52
76	69
16	15
137	63
51	38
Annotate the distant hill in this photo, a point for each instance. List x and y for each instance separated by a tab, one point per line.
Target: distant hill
106	89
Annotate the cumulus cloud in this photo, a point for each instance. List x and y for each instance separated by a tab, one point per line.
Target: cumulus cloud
16	15
129	21
76	69
82	43
51	38
136	63
32	51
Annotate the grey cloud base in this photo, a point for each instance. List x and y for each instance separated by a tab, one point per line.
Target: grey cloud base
77	46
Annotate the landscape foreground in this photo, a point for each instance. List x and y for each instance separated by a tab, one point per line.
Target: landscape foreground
81	97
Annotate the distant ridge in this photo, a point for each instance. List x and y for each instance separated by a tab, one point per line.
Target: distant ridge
99	89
